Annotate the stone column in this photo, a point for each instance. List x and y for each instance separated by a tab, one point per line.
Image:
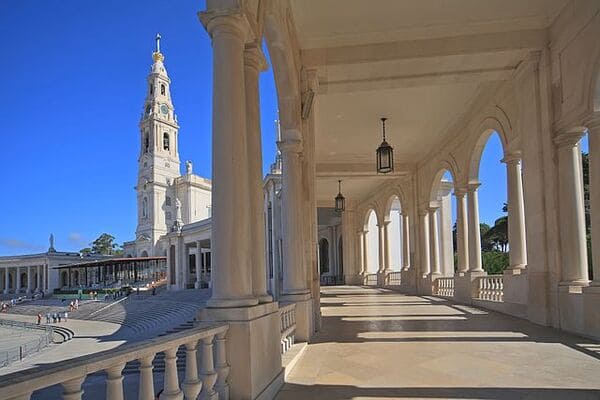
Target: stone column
516	213
462	230
434	242
254	63
29	280
365	252
425	252
361	251
405	242
38	283
72	389
18	280
594	159
169	261
473	229
114	382
386	247
198	265
232	273
6	279
294	277
381	249
146	379
571	213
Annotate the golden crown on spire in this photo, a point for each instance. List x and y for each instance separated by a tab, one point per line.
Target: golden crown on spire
157	55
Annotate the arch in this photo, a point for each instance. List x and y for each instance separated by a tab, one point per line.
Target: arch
324	256
439	177
166	141
372	248
144	253
163	89
396	193
487	128
64	279
285	71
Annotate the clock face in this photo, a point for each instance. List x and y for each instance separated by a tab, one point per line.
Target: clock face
164	109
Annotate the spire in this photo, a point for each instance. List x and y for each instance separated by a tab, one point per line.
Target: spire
157	55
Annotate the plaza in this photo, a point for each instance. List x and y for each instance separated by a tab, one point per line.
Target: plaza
339	274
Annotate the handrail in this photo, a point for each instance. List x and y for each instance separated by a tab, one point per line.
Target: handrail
25	382
491	288
287	325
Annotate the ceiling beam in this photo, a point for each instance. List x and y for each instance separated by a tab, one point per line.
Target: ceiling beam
349	170
414	80
411	49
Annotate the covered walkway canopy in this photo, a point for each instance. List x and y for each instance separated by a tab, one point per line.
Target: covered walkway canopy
113	271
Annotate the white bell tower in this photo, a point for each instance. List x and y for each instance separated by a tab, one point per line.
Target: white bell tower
158	162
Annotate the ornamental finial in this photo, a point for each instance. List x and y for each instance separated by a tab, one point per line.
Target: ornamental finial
157	55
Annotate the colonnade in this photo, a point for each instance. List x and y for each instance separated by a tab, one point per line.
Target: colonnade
11	279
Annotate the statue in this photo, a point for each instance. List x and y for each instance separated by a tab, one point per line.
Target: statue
51	249
178	224
188	167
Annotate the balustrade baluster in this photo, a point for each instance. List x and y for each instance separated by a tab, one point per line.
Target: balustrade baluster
114	382
72	388
171	390
207	371
222	367
146	379
192	384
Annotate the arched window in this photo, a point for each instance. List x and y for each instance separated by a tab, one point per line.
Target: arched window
145	207
146	142
151	89
163	89
165	141
148	109
324	255
167	201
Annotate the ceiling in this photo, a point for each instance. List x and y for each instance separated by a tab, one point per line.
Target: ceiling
325	23
422	64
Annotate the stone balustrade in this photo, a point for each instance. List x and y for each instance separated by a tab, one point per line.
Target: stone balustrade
205	376
287	313
371	279
491	288
394	278
444	287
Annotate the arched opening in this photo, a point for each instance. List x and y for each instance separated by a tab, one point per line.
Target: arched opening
23	280
166	142
163	89
395	233
372	247
585	169
144	253
64	279
324	256
145	207
146	142
75	278
493	207
443	209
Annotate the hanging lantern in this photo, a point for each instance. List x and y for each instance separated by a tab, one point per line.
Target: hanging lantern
340	201
385	155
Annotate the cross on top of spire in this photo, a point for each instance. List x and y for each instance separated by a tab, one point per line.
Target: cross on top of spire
157	55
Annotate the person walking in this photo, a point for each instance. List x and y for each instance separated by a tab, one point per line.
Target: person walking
47	318
59	318
39	318
54	318
66	315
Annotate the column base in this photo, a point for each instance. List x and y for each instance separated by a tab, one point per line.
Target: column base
265	298
304	315
576	283
253	348
591	310
232	303
516	270
464	290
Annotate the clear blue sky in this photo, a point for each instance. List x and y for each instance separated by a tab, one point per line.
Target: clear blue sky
74	76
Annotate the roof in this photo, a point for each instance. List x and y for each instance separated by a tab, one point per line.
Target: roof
110	261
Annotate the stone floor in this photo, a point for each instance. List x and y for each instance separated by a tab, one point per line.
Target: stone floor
379	344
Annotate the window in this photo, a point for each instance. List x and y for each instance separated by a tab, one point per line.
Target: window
151	89
165	141
146	142
167	201
148	109
162	89
145	207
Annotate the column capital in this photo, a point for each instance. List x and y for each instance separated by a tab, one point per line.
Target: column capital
230	20
460	192
512	157
290	146
570	137
254	57
473	186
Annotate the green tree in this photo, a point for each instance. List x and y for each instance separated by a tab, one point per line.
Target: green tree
105	245
585	160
